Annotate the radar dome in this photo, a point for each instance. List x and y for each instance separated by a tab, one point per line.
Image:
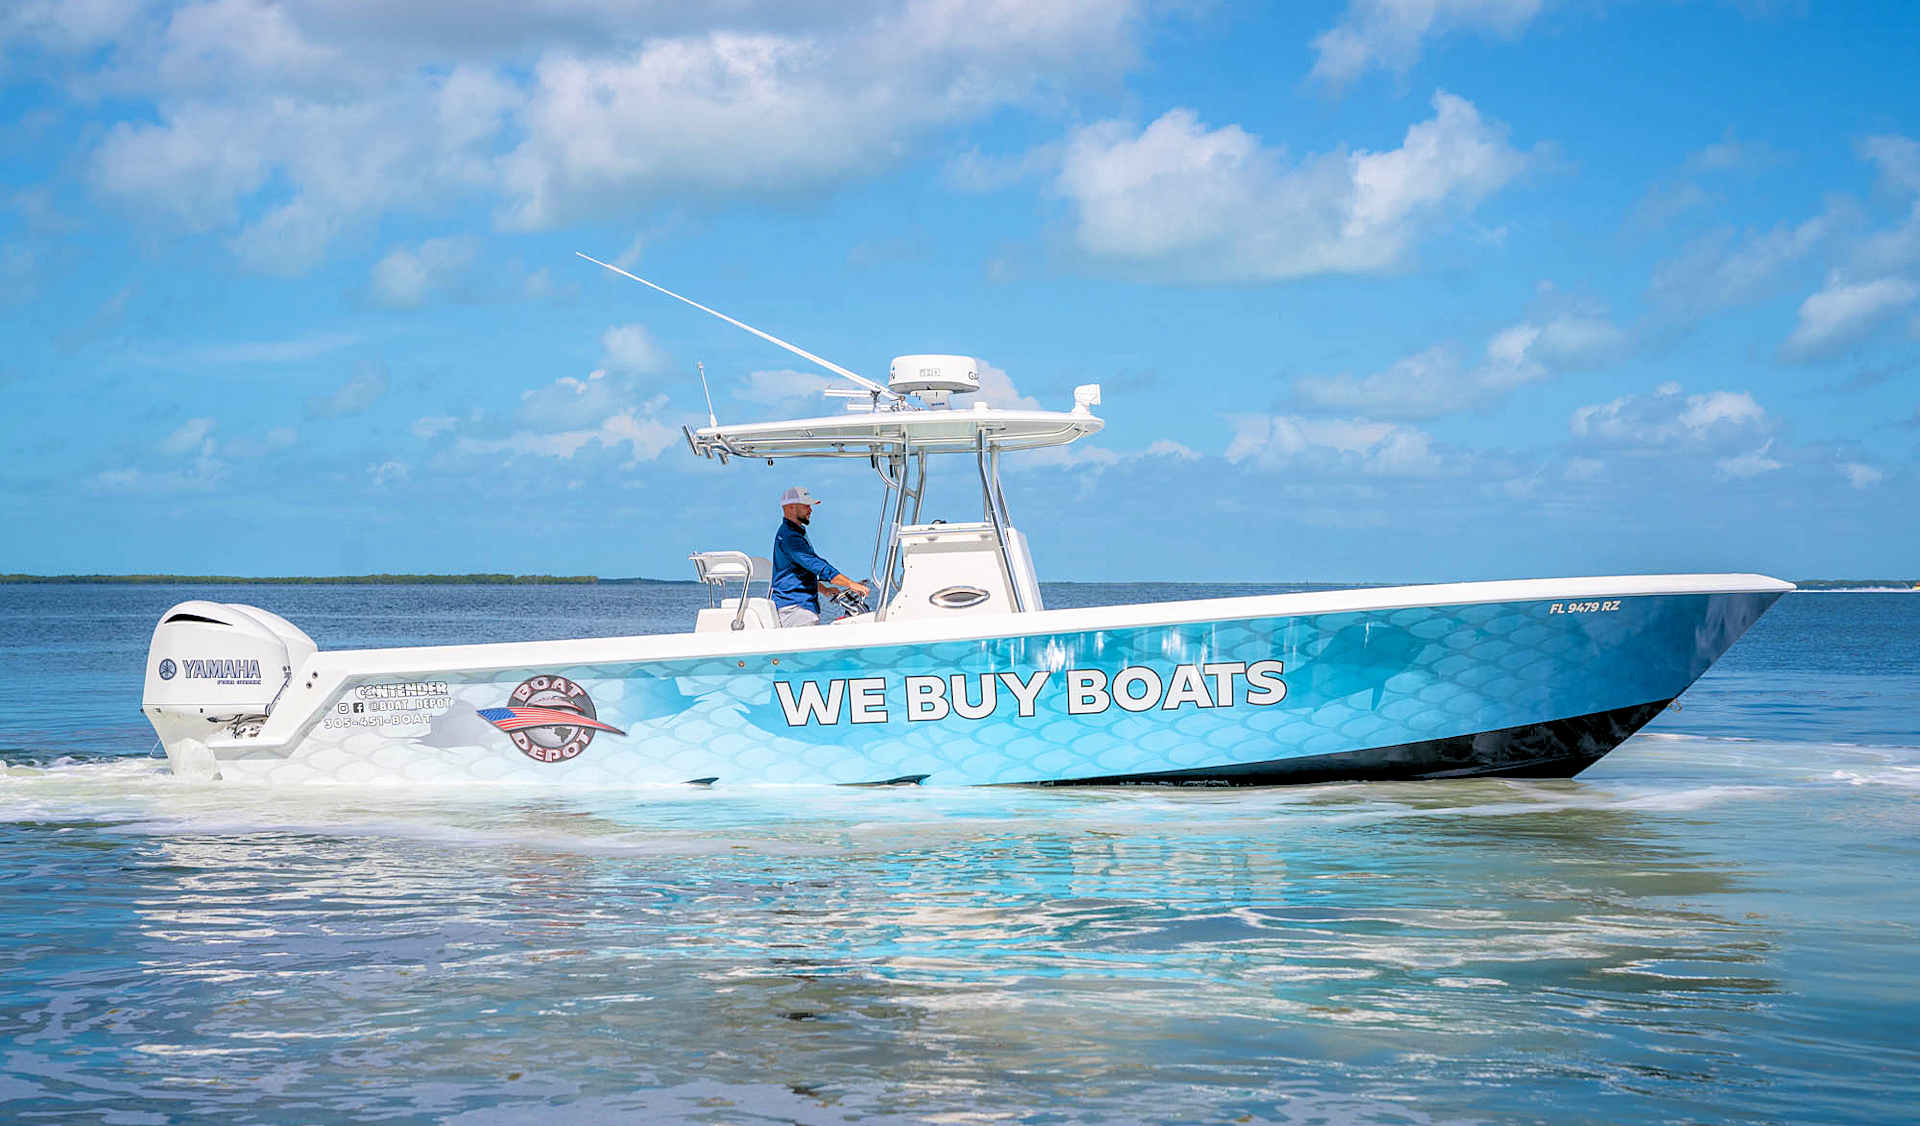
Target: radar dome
920	375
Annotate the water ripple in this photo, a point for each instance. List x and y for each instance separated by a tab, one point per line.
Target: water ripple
1702	928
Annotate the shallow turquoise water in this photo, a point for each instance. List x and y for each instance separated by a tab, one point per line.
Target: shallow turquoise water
1717	923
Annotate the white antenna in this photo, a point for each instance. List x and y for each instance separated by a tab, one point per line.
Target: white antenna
711	420
798	351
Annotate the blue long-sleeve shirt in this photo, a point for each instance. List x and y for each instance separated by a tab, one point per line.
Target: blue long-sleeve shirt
798	571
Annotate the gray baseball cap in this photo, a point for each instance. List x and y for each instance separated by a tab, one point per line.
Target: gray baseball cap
797	495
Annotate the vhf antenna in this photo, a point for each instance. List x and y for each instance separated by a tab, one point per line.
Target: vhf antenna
711	420
862	380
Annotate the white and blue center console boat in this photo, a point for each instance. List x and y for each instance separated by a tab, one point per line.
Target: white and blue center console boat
956	673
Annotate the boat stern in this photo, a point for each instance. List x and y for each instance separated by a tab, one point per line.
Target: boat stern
214	671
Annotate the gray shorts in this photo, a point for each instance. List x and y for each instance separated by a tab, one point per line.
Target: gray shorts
798	616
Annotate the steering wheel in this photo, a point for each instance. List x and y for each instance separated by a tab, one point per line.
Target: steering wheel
850	601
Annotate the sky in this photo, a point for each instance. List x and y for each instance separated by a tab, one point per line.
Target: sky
1377	290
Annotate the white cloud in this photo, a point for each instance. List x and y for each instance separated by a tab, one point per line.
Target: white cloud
1178	199
1752	464
1898	159
1084	455
67	25
1844	313
1670	418
627	258
284	125
1861	475
644	437
1730	154
191	464
252	353
259	445
1718	408
612	407
997	390
388	473
456	268
201	476
1564	342
433	425
209	162
974	171
1584	469
351	397
227	42
728	111
1664	202
569	403
1423	385
752	112
1389	34
1434	382
631	349
287	240
409	275
1897	248
192	435
1721	271
1332	446
181	167
787	389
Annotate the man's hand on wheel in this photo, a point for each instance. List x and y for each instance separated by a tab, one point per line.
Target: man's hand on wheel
848	594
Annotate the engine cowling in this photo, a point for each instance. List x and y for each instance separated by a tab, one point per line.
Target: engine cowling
216	663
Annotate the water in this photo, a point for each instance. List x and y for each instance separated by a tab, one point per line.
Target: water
1717	923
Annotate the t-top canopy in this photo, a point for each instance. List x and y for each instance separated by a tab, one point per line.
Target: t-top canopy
865	433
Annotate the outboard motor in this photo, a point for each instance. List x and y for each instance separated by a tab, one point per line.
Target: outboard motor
216	669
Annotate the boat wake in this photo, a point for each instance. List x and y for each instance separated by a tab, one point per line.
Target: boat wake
1655	776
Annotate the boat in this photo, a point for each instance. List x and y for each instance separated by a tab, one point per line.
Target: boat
953	671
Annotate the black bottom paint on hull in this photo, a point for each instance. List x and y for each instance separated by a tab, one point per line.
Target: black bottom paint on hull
903	780
1559	748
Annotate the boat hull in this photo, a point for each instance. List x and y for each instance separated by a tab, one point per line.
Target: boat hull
1559	748
1300	689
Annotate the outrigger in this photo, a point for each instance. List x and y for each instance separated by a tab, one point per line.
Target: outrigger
955	673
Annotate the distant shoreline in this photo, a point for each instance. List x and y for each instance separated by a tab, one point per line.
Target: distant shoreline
495	579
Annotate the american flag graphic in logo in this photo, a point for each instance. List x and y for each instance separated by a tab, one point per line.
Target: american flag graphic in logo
520	719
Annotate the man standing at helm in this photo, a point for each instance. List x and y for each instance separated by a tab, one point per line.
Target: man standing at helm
800	576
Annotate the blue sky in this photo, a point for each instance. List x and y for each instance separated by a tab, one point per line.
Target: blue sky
1378	289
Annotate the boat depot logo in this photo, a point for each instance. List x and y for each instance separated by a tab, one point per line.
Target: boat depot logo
550	718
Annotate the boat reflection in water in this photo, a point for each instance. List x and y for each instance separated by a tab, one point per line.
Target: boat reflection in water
901	950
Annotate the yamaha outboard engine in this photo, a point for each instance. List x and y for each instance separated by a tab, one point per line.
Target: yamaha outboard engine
215	669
